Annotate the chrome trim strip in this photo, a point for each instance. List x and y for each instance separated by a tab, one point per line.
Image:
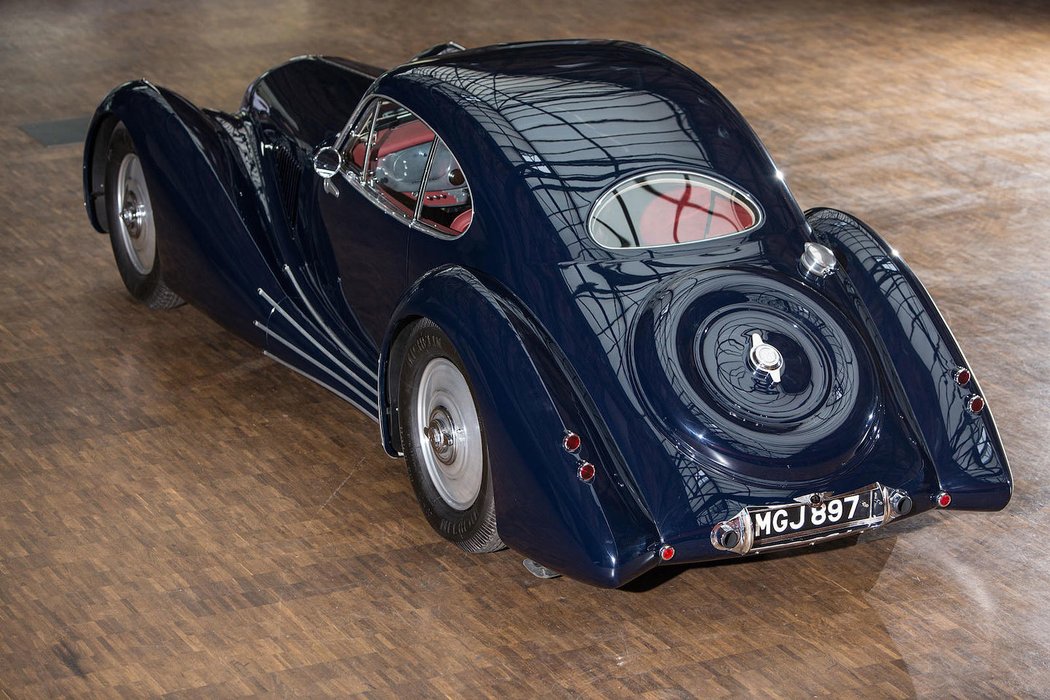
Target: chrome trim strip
804	536
298	351
315	380
328	331
313	341
374	107
811	541
426	176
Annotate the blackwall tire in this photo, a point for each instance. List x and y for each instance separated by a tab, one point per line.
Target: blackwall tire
444	442
133	227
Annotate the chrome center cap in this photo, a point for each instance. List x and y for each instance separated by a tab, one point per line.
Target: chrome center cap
765	358
133	215
441	434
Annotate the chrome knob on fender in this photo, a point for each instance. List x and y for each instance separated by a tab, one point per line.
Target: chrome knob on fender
818	260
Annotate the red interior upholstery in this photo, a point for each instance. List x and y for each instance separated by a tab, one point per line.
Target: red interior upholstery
691	213
403	136
398	138
357	155
461	222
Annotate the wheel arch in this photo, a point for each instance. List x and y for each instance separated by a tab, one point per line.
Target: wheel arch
598	531
95	145
392	358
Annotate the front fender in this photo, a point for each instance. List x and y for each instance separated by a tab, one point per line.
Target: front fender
206	197
596	532
916	343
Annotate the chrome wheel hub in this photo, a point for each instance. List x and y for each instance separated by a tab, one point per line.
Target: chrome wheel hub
135	226
442	435
765	358
133	215
447	422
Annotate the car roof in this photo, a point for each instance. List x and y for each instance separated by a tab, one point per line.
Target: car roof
573	117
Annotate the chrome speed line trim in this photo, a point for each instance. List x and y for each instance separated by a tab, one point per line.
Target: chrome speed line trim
315	380
311	338
298	351
328	331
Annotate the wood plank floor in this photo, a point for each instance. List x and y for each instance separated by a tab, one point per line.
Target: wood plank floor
180	515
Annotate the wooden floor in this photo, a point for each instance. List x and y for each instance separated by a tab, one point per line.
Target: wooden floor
180	515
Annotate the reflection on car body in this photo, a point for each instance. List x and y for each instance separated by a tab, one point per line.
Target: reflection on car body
572	289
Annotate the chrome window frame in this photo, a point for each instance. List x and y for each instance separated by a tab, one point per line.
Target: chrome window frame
361	182
717	184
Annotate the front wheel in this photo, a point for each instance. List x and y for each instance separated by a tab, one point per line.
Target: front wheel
133	225
445	442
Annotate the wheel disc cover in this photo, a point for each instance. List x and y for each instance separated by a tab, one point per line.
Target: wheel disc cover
449	433
134	217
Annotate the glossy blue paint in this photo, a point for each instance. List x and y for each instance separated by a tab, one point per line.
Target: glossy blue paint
920	354
640	351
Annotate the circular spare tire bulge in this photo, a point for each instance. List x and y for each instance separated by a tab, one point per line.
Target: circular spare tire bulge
800	422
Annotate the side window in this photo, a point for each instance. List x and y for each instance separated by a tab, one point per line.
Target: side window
403	162
398	158
446	197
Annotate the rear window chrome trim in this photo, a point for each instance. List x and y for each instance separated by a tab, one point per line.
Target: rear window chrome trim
718	184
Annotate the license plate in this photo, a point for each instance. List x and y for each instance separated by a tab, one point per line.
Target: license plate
801	520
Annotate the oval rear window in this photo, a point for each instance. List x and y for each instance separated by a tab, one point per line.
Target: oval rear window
669	208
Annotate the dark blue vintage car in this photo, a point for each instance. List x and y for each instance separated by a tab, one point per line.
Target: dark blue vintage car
571	287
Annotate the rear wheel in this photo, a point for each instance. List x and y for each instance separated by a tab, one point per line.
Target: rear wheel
133	225
444	442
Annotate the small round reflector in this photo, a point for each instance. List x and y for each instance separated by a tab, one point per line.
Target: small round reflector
944	499
975	404
667	552
962	376
571	442
586	472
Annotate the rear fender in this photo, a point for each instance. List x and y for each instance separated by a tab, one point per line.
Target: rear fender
916	343
596	531
210	213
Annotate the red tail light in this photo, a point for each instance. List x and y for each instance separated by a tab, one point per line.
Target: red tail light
586	472
944	499
975	404
962	376
571	442
667	552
